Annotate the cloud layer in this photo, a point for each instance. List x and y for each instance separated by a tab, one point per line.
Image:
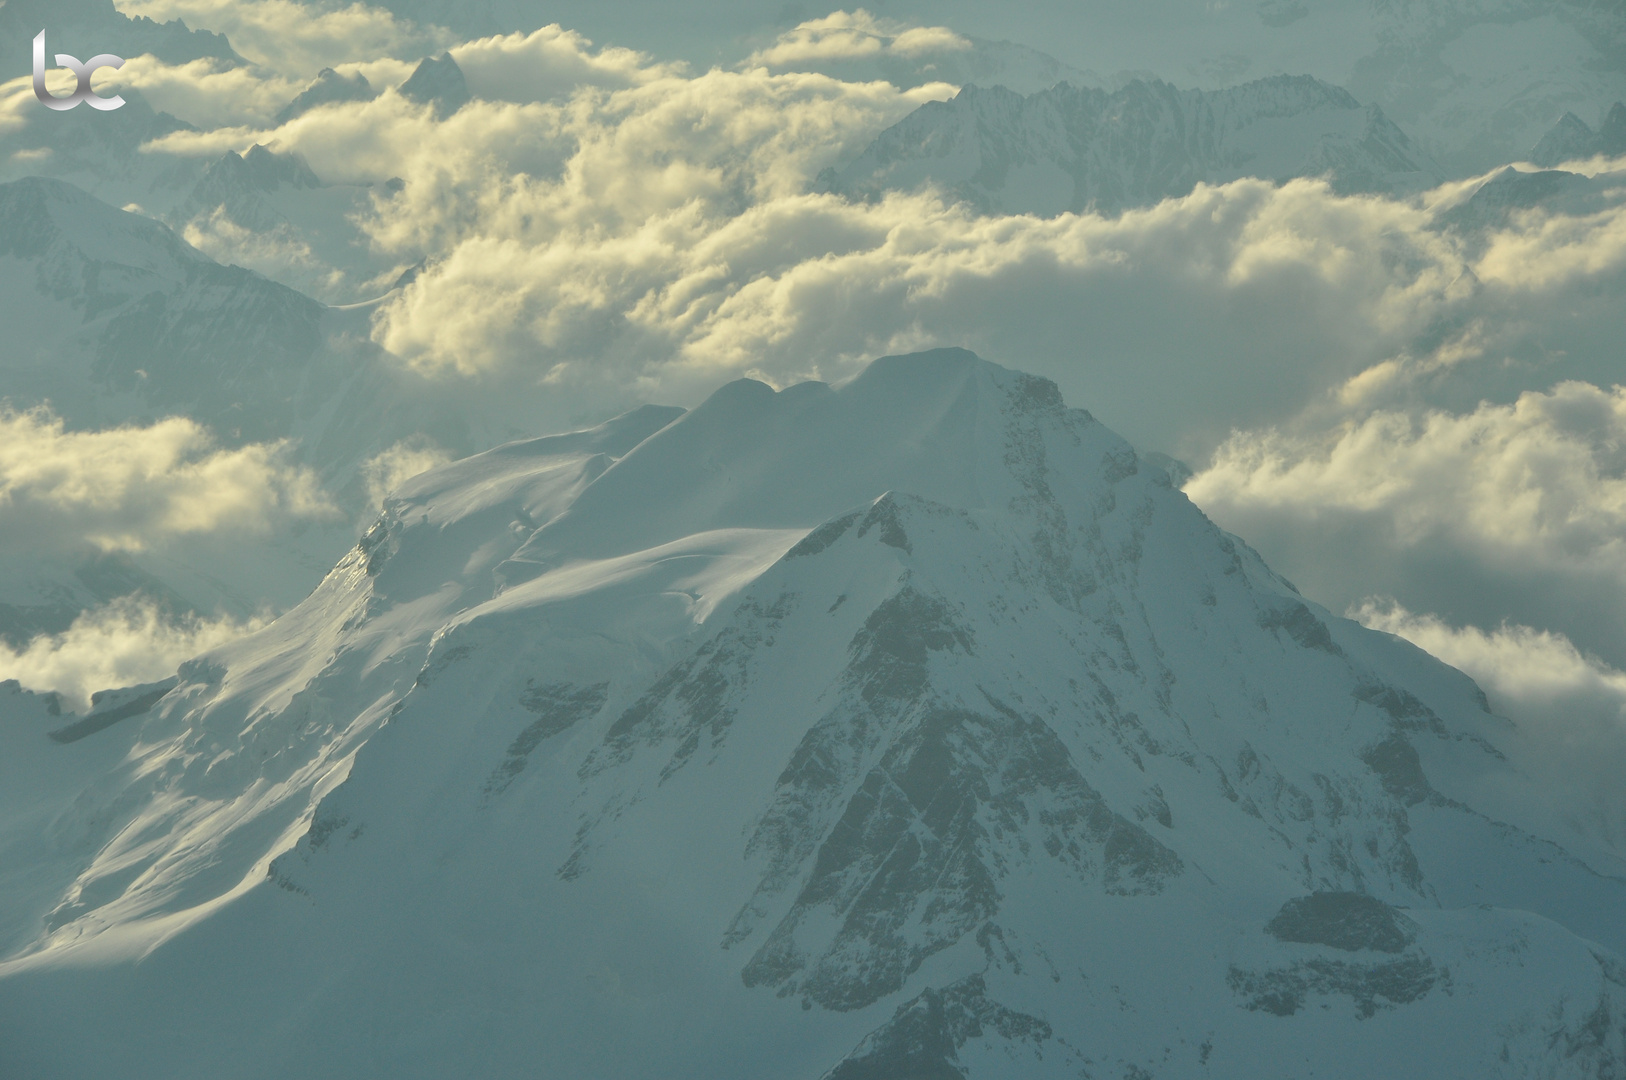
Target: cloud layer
605	223
298	39
1396	403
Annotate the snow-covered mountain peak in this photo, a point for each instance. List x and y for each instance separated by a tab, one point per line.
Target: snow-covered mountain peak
328	87
911	724
1572	139
237	185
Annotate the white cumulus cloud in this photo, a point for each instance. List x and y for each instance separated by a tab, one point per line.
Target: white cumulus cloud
125	488
1505	511
854	35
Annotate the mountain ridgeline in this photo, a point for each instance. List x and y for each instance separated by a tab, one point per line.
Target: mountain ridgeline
915	728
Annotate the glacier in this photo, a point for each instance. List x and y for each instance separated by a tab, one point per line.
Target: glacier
916	727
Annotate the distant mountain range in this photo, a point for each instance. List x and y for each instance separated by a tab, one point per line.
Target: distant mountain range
1070	148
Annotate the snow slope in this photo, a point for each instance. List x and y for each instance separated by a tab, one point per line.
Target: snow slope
911	728
1066	149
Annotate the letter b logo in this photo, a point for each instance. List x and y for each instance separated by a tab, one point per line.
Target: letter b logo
83	71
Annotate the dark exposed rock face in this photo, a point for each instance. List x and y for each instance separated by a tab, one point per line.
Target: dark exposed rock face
557	708
109	707
1396	762
1370	987
1349	922
1343	920
1300	624
914	860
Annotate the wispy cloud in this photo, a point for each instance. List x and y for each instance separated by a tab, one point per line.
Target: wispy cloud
386	471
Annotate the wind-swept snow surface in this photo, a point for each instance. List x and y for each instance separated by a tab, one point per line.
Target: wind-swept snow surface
916	728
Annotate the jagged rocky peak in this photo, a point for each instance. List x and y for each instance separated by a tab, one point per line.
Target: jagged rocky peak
259	168
913	726
438	81
327	88
1612	132
1069	148
1572	139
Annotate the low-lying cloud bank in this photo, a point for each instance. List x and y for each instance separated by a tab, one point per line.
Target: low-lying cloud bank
129	487
124	643
620	229
1506	511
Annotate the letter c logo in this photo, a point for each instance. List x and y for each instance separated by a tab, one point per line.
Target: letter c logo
83	71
